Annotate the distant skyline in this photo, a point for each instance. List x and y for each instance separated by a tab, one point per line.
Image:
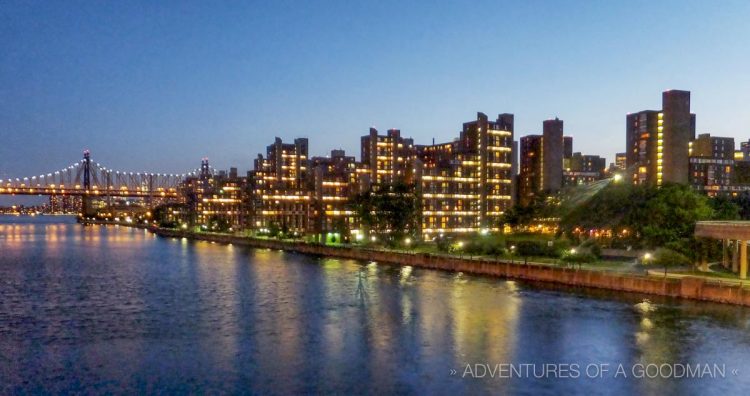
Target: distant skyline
155	87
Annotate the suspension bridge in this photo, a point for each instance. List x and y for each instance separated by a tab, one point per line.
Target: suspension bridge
87	178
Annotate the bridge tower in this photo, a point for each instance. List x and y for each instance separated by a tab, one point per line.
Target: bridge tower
86	170
86	209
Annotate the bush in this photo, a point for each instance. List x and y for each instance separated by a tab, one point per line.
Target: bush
578	257
443	244
485	245
591	246
669	258
527	248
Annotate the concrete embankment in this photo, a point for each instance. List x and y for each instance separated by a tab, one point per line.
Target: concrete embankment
691	288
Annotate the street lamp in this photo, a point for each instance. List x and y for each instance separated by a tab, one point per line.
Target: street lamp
407	241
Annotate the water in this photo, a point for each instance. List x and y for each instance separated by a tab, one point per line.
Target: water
110	310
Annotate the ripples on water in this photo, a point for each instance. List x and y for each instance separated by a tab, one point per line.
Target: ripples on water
109	309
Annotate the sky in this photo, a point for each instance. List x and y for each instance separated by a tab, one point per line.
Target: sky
156	86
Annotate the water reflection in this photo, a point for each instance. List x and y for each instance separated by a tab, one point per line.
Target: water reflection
104	309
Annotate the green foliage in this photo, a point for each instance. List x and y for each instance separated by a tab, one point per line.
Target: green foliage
443	244
725	208
274	230
669	258
656	217
164	214
743	203
218	224
538	248
489	245
541	207
391	211
592	247
577	257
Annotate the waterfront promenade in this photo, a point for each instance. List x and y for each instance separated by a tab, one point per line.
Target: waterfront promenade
690	287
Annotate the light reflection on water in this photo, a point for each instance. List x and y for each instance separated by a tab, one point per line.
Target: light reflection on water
104	309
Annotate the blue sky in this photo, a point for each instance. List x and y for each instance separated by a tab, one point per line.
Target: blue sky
157	85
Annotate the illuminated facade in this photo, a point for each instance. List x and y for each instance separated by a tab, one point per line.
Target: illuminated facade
658	142
281	197
225	207
64	204
712	164
466	185
194	189
583	169
621	161
530	172
335	179
743	154
215	202
390	157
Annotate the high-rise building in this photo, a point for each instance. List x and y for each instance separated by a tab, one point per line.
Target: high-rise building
335	180
658	142
514	172
223	205
567	146
712	164
466	185
743	154
195	189
552	155
583	169
64	204
621	161
281	195
530	172
541	161
389	157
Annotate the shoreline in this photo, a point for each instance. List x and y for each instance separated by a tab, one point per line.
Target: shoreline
687	287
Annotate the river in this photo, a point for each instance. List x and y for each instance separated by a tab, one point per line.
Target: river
106	309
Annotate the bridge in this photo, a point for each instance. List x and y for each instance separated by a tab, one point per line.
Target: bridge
89	179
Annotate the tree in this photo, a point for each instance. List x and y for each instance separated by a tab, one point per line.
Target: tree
167	215
669	258
725	208
218	223
363	206
654	217
668	218
743	203
389	210
541	207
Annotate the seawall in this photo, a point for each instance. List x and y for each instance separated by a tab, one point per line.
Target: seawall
691	288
